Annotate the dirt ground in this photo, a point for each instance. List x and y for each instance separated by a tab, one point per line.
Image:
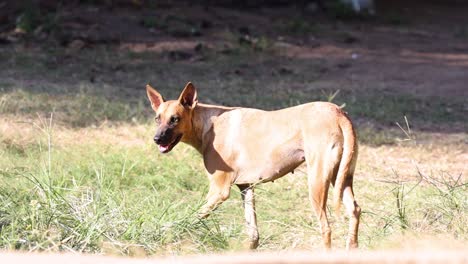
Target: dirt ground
414	47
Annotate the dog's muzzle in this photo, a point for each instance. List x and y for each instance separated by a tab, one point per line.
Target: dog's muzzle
166	140
163	136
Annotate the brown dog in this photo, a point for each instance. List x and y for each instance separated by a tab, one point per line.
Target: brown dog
244	146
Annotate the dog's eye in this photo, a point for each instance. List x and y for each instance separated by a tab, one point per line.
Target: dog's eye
157	119
174	119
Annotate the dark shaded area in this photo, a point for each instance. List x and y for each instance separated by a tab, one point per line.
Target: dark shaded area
409	60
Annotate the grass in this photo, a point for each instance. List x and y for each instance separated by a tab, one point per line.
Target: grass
297	26
83	108
89	179
109	191
110	83
80	110
79	198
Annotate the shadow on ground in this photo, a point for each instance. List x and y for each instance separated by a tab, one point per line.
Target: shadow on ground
89	68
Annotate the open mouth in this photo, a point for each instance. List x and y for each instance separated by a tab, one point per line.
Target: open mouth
165	148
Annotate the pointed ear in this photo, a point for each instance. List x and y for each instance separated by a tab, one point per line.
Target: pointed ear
188	97
155	98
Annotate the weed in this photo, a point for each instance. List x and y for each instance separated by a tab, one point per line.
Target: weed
173	25
150	22
401	206
396	19
29	19
341	10
409	135
331	96
297	26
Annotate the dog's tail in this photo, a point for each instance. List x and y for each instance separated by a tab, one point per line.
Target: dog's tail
344	176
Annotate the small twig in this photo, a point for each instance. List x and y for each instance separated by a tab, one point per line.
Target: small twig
407	132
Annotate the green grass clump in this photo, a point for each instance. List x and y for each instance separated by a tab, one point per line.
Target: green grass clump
88	197
297	26
29	18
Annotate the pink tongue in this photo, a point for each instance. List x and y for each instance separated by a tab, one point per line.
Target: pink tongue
163	148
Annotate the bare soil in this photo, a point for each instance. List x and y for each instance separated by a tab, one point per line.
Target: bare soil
426	55
409	49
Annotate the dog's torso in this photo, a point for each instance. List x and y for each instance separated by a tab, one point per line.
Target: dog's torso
260	146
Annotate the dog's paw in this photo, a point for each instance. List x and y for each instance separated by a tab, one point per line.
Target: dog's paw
203	215
252	244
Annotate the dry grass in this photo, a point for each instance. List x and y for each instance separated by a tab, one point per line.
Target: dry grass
432	156
399	206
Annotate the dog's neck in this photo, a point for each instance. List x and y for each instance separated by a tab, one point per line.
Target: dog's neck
202	120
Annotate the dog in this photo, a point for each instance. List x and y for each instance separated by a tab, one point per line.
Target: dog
245	147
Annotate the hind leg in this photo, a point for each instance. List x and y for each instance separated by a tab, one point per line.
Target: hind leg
318	184
354	211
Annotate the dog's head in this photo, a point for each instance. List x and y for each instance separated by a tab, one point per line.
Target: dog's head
173	117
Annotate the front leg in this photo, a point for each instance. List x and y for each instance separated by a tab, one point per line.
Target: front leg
220	188
247	192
